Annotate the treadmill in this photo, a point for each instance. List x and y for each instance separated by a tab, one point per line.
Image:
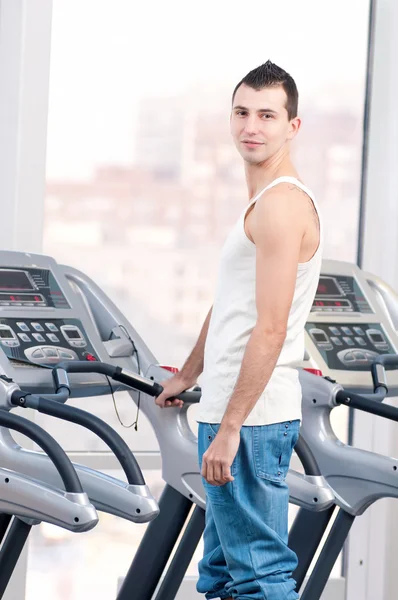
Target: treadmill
46	298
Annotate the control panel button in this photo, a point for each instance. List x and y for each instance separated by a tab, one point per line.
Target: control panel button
80	344
38	353
52	337
4	304
51	327
360	340
24	337
37	327
359	356
335	330
90	357
346	330
370	355
359	330
66	355
336	341
50	352
348	341
349	357
23	326
38	337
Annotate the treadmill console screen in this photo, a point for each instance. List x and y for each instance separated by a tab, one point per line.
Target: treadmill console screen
5	333
339	294
328	286
30	287
15	281
72	334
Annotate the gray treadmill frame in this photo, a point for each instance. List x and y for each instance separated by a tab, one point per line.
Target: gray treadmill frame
100	316
28	498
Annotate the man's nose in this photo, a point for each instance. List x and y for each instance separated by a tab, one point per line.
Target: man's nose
251	125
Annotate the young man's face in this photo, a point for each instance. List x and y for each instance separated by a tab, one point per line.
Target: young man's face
260	125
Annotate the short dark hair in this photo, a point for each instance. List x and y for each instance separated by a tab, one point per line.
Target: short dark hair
268	75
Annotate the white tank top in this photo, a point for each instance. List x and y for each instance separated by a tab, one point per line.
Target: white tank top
233	318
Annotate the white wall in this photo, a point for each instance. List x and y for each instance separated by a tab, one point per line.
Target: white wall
25	32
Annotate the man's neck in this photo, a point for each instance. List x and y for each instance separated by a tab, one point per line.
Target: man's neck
259	176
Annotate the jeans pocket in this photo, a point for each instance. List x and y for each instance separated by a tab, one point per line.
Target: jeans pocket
272	449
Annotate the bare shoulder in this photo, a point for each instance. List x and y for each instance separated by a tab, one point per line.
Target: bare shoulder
283	200
289	201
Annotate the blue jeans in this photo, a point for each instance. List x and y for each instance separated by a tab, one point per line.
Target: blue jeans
245	539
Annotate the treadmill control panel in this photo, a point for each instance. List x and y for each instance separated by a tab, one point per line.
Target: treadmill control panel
30	288
339	294
349	345
45	341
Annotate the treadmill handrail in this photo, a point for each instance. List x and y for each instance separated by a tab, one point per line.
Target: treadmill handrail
48	444
81	417
379	375
133	380
366	404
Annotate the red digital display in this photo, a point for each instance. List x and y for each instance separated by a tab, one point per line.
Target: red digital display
21	298
333	303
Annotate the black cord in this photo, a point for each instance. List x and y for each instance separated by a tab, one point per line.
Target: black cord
135	423
116	410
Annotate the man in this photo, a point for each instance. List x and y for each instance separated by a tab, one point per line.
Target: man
250	410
